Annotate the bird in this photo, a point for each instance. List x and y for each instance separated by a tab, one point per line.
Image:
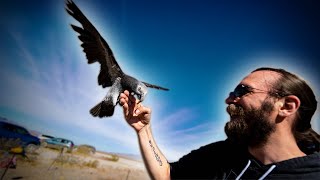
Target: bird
111	75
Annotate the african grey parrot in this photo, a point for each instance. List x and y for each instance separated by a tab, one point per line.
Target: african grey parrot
111	75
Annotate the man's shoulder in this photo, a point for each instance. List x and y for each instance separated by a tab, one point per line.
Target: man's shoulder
216	146
223	145
223	150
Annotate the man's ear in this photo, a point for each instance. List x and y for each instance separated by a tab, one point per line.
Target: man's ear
288	105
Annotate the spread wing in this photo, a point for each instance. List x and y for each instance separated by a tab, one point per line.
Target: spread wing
155	86
95	47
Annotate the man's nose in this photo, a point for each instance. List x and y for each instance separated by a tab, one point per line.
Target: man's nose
232	98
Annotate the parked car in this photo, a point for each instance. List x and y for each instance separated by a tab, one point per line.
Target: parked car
59	143
43	137
10	131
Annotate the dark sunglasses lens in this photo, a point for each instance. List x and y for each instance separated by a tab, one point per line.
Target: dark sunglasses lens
240	90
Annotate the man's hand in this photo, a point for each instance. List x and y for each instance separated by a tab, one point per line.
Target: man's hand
134	112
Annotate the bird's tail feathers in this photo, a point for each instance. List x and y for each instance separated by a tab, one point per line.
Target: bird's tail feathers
95	111
103	109
155	86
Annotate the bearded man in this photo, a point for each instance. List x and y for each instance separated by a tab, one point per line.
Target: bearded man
269	133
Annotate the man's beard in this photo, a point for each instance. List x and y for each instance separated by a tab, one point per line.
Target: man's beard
249	127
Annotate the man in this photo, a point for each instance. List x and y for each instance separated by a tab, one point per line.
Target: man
270	113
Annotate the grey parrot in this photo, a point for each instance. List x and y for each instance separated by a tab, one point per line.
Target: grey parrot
111	75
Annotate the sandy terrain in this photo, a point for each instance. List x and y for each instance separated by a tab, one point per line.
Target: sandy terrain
47	164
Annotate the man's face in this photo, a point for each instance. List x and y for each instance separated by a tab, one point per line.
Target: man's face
251	126
252	115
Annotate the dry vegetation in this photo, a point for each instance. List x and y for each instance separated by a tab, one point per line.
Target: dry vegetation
47	163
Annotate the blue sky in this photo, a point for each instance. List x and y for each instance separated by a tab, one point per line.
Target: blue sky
200	50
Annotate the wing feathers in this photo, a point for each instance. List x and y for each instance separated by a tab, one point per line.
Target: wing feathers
89	45
95	47
103	78
103	109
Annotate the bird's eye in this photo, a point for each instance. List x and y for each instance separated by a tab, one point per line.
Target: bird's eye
139	88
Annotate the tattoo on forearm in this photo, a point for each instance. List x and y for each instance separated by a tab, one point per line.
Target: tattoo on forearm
155	154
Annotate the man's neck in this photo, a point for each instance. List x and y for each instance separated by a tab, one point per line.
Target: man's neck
277	148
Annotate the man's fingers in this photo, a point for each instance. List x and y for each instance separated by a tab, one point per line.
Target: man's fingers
132	98
123	99
124	105
144	114
131	106
142	110
124	102
126	92
128	97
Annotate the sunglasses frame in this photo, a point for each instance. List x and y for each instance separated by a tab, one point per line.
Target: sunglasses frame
242	90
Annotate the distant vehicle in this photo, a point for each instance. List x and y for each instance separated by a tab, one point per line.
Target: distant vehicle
59	143
15	132
43	137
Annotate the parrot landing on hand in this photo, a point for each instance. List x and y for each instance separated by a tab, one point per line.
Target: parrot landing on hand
111	75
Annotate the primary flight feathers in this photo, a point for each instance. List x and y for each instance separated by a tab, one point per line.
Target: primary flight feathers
111	75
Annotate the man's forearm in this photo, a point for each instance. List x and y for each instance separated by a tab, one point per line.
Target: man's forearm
155	162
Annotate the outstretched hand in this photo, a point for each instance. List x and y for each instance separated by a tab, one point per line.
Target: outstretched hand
134	112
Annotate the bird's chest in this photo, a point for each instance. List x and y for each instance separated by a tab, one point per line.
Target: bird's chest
129	83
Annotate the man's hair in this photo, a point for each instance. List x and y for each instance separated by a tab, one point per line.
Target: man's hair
291	84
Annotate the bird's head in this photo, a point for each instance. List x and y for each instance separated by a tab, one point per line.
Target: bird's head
140	91
136	87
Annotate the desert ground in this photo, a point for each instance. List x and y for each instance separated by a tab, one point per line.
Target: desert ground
46	163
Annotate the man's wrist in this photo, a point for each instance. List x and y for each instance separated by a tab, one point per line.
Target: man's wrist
143	130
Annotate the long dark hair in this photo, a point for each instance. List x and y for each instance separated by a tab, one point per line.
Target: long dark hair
291	84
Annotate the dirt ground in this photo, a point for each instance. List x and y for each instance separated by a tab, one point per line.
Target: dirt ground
50	164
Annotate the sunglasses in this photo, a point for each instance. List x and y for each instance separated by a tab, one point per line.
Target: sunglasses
242	90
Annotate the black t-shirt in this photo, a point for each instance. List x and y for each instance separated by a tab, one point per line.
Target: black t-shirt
214	161
224	160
